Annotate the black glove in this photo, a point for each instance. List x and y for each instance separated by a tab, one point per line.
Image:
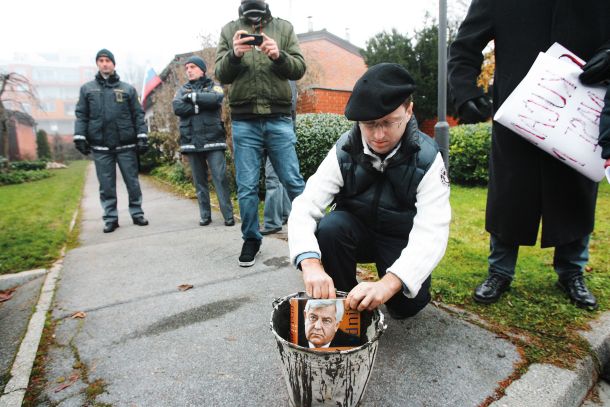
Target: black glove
188	97
82	146
142	145
475	110
597	69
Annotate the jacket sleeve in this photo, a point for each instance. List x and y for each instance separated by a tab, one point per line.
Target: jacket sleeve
137	114
604	127
430	233
210	100
291	64
82	115
465	53
182	108
228	66
309	207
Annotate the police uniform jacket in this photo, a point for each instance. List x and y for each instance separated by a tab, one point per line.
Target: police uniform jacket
108	114
201	127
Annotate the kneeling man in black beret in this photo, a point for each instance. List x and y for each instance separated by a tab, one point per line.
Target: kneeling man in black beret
389	191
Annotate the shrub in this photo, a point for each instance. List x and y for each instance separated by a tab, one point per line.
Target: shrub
316	134
21	176
177	175
163	149
29	165
469	153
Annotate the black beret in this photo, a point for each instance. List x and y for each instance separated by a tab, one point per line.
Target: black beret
105	53
379	92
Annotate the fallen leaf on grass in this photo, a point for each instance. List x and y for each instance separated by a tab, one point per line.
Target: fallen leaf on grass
184	287
71	380
79	314
6	295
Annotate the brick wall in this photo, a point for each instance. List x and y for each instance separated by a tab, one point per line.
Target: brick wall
26	141
334	66
428	125
323	101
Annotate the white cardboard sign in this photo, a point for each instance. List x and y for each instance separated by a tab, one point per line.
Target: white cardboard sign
553	110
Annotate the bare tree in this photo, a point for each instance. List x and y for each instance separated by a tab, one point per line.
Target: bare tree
15	90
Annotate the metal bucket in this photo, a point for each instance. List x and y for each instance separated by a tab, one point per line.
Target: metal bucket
335	378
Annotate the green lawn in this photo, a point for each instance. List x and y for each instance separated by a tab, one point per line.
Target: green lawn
534	308
35	218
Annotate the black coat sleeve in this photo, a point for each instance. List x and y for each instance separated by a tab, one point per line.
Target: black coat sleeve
465	53
182	108
82	114
210	100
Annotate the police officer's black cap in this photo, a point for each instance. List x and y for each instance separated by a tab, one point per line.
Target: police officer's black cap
379	92
105	53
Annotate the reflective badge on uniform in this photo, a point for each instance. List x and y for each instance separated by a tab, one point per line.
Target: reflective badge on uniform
444	176
218	89
118	95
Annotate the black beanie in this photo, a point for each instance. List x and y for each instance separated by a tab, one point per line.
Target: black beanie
105	53
197	61
379	92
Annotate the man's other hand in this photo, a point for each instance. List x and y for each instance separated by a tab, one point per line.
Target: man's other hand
368	295
318	284
597	69
269	47
475	111
82	146
239	46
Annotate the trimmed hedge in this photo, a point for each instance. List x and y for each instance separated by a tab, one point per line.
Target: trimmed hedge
469	154
20	176
316	134
29	165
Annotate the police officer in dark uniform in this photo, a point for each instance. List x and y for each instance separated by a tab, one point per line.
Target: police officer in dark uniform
110	123
198	103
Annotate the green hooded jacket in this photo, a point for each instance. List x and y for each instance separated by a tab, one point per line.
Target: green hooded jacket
259	85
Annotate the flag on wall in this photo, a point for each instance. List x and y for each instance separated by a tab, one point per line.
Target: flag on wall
151	81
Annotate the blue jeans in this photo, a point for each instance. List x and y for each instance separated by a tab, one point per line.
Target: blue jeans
277	203
568	260
250	138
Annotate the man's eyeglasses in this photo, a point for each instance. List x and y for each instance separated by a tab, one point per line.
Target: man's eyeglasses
384	125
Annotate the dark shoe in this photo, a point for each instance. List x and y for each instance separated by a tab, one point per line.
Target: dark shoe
578	292
230	222
140	221
249	251
110	227
266	232
490	290
205	222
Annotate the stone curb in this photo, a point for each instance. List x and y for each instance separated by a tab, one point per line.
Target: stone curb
13	280
15	389
545	385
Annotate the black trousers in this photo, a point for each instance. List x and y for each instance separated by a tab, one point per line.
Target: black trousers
345	241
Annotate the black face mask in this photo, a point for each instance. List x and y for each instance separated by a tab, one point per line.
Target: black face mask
253	10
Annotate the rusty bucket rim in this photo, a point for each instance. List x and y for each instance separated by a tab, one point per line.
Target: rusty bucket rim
380	327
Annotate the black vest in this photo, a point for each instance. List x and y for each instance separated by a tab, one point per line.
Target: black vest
384	201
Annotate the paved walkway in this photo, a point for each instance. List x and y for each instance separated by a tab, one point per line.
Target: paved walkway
145	343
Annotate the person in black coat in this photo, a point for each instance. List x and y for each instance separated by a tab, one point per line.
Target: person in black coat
525	183
198	103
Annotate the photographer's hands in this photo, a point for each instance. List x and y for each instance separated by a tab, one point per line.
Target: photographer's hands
269	47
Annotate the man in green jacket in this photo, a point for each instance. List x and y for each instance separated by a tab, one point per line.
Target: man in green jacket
259	67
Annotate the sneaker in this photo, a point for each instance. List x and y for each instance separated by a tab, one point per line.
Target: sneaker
249	251
205	222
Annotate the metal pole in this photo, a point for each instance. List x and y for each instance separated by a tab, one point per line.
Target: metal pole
441	129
